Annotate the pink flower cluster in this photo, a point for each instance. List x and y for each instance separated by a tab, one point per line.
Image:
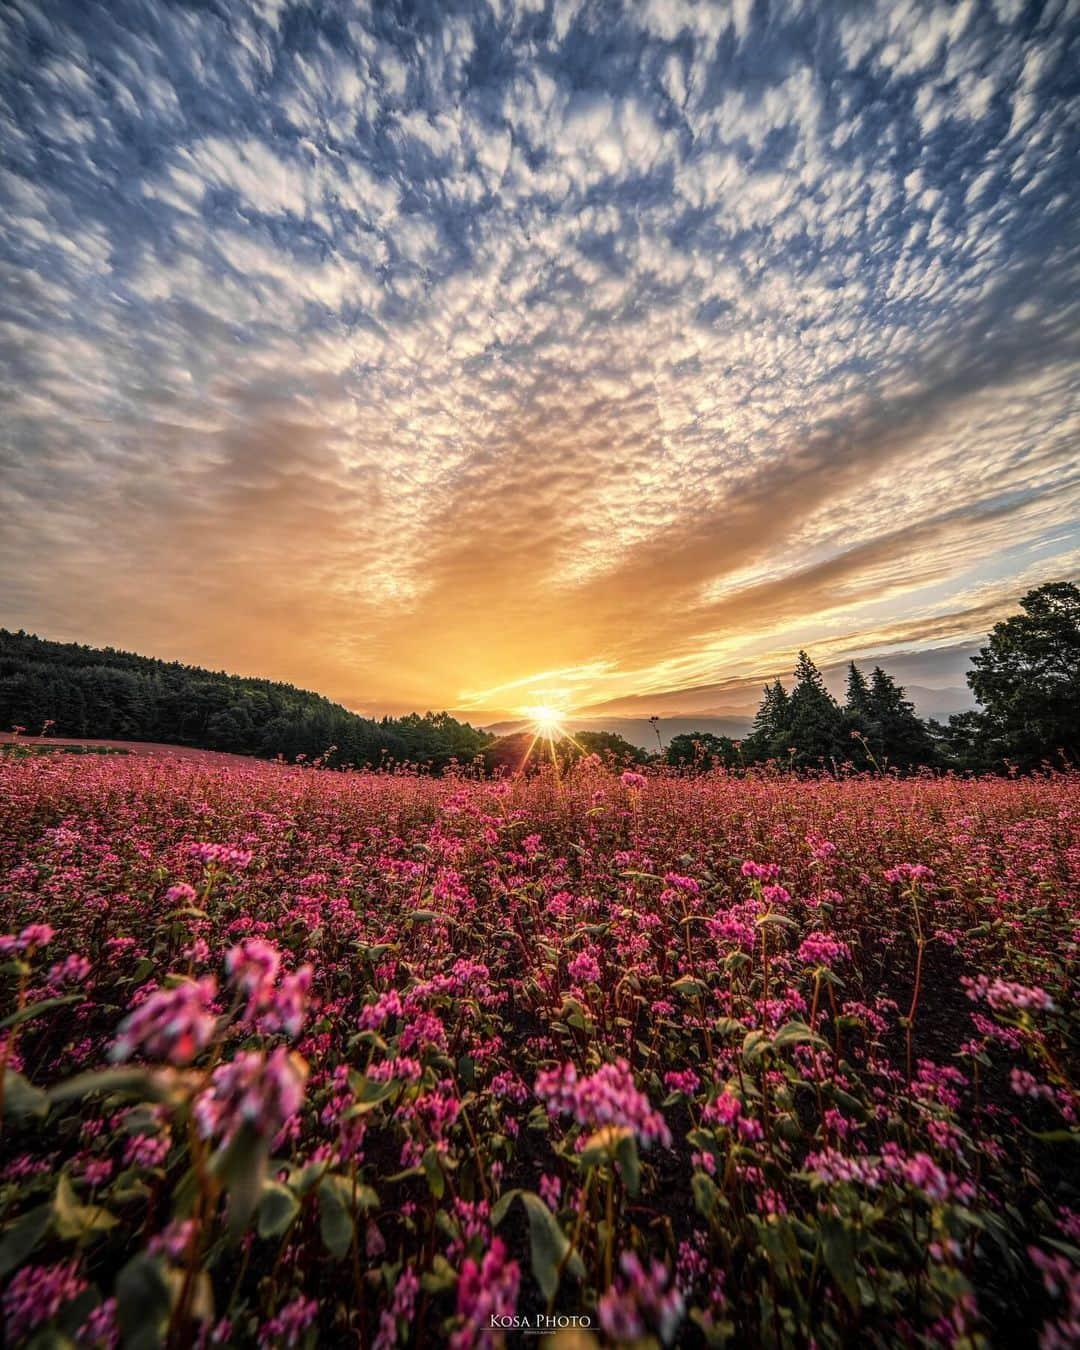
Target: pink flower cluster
222	855
606	1097
487	1291
584	968
641	1300
288	1327
36	1294
1005	994
760	871
34	935
254	1089
173	1023
273	1006
822	949
909	872
726	1111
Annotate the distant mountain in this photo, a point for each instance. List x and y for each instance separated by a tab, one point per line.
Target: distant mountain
940	703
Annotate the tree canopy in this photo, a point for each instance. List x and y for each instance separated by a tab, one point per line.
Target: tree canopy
99	692
1027	678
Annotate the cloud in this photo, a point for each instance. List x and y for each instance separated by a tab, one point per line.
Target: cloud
425	354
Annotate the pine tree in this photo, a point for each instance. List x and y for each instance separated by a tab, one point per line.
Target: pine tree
858	692
815	720
903	738
770	735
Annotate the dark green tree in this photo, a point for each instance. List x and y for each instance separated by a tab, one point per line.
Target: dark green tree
900	738
1027	678
609	745
857	702
815	720
770	736
702	750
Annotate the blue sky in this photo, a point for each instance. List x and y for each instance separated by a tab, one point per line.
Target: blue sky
482	355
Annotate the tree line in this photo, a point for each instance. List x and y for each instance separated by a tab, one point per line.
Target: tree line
1027	679
114	695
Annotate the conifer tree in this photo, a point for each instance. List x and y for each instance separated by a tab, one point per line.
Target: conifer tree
815	719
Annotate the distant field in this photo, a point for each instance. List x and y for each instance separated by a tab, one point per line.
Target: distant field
50	744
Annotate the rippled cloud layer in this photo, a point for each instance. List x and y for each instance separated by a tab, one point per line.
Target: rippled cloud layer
476	355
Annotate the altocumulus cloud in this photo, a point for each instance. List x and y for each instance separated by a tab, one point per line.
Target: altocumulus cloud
447	353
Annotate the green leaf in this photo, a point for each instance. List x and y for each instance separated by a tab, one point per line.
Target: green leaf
74	1220
131	1082
242	1170
435	1179
440	1277
626	1151
277	1209
774	920
22	1235
599	1147
335	1215
502	1205
687	987
549	1246
704	1191
838	1249
796	1033
755	1043
22	1097
36	1009
143	1302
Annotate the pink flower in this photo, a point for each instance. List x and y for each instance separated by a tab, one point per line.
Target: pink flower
253	1089
253	968
288	1327
607	1097
1004	994
760	871
550	1191
32	937
685	1081
221	854
288	1004
373	1015
401	1309
72	970
681	883
36	1294
173	1024
909	872
822	949
100	1328
641	1300
486	1291
629	778
584	968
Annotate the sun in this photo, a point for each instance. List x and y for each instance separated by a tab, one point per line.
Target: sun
547	721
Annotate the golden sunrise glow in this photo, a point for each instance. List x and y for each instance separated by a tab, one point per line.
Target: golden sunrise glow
546	720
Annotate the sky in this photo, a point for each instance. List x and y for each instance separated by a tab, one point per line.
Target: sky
488	355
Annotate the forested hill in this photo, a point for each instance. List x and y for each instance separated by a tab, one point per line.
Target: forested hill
99	692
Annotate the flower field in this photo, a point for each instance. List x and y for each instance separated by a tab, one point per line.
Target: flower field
294	1057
